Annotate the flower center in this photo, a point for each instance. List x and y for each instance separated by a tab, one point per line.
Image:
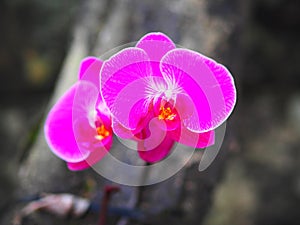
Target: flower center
101	132
166	113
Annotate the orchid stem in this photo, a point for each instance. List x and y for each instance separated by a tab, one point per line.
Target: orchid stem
108	191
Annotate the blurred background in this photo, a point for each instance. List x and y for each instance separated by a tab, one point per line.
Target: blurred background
256	180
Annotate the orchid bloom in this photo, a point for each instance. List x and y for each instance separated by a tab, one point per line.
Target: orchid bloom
159	94
78	127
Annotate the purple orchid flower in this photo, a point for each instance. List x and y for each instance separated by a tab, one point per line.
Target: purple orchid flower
159	94
78	127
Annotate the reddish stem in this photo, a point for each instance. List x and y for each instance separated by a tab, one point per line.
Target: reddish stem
108	191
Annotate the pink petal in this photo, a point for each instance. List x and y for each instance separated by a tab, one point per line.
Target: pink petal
209	85
102	108
92	159
90	70
227	83
196	140
121	131
85	101
86	116
183	106
158	153
104	119
123	84
59	129
84	65
154	144
156	45
86	136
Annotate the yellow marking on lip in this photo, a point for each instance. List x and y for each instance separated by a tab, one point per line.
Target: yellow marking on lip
102	132
166	113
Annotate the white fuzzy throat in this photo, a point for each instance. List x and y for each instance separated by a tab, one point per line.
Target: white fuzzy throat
157	87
